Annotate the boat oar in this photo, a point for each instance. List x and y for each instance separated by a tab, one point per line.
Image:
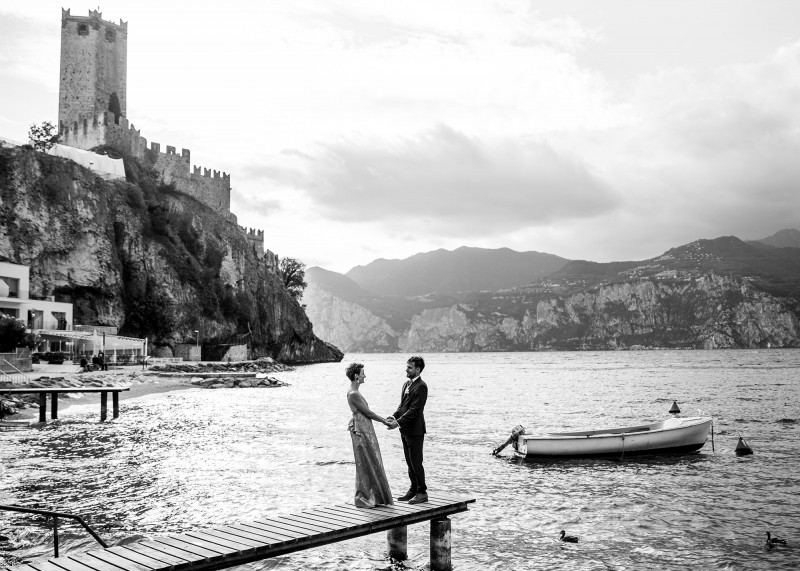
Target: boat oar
519	429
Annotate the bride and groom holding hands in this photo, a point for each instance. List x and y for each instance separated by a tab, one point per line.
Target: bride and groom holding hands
372	486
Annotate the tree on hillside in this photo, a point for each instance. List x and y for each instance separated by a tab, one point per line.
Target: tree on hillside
13	335
44	136
293	273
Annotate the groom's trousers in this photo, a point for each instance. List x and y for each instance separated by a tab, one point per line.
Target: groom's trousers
412	450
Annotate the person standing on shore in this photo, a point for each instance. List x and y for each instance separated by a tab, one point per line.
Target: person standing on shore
410	418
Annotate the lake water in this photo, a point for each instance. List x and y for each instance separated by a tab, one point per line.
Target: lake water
197	458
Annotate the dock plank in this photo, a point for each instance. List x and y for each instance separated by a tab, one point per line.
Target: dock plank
228	545
169	550
48	566
168	561
65	563
234	539
139	558
94	563
262	537
290	526
180	543
113	559
295	533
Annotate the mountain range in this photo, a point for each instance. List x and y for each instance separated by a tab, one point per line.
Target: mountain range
723	292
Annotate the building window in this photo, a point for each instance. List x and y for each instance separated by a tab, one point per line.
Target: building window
9	287
61	320
83	29
110	35
35	319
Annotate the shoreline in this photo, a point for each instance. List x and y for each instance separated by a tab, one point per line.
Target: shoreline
140	385
145	382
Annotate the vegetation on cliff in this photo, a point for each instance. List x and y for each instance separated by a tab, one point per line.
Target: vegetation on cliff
141	256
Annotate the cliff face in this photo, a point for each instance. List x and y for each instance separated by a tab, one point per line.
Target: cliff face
139	255
354	327
708	312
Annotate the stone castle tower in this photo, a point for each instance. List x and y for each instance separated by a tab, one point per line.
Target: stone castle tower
94	70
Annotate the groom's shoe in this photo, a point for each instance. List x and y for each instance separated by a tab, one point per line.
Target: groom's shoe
407	496
419	498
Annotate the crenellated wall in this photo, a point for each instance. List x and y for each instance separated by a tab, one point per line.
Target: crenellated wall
254	237
211	187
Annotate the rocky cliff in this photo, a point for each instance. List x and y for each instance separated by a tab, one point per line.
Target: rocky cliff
690	310
139	255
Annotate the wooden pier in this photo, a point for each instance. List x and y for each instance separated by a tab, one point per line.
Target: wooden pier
54	392
234	544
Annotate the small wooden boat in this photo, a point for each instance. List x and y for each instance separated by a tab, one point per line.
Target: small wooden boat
667	436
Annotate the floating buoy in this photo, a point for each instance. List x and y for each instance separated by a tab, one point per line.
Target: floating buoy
743	448
674	408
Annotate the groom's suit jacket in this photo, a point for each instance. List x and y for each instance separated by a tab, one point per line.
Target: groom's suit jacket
410	414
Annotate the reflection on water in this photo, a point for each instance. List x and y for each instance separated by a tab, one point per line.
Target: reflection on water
199	458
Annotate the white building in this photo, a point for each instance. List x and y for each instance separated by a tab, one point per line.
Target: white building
15	285
52	321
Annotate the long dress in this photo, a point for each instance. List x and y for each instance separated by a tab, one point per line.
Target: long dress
372	486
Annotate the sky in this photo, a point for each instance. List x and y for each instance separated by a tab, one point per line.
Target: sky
353	130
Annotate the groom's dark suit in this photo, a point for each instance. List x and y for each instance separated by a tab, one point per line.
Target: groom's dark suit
411	418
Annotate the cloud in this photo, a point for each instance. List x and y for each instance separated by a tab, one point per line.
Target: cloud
259	204
464	185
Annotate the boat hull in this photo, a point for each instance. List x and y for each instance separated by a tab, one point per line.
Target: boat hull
674	435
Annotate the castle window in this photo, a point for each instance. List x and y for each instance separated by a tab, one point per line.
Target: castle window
83	29
110	35
85	127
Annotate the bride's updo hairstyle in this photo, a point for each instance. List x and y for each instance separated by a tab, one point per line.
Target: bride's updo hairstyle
353	369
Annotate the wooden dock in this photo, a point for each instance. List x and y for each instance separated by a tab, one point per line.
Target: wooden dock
230	545
54	392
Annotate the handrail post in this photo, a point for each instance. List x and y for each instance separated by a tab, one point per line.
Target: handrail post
55	534
55	516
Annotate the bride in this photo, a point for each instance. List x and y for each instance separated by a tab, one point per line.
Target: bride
372	487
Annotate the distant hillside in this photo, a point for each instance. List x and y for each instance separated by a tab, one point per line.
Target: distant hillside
720	293
786	238
775	270
450	272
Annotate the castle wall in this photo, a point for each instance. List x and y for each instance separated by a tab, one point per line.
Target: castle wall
212	188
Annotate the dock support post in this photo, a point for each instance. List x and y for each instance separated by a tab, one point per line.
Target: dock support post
115	401
103	406
440	545
42	407
397	543
54	405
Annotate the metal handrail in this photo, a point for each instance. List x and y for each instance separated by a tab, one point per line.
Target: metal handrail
24	376
55	516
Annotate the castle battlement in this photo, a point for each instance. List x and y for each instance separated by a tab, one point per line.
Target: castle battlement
95	16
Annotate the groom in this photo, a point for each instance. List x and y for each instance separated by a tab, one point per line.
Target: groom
411	420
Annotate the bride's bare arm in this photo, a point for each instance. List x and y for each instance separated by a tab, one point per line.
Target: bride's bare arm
358	401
